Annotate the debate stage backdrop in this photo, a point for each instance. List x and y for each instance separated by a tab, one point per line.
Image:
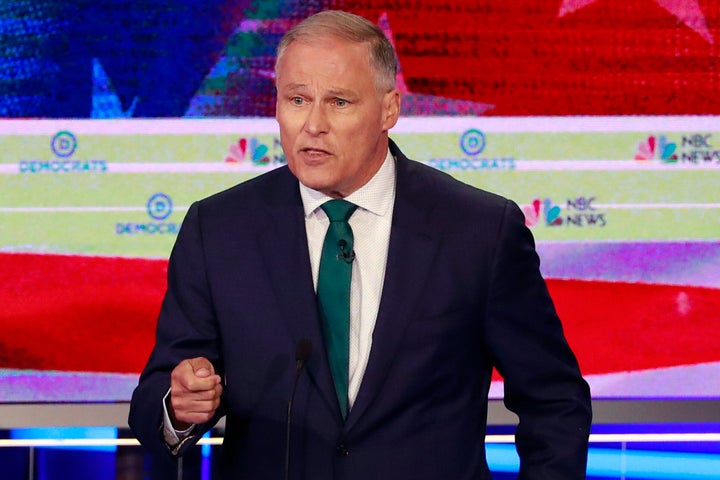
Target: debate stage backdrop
600	118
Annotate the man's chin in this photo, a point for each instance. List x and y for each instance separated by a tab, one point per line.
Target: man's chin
311	181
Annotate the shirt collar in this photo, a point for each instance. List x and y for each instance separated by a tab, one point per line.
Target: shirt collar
376	196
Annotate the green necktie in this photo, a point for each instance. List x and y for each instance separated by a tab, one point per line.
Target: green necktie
333	292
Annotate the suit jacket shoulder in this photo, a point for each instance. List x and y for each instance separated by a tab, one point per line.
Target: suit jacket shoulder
448	203
273	188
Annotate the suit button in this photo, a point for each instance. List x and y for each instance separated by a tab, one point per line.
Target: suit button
341	450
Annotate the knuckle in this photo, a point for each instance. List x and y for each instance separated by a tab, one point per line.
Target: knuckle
203	417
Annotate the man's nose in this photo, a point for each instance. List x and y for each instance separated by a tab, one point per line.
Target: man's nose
316	121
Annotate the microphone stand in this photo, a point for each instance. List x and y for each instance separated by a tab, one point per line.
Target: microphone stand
303	350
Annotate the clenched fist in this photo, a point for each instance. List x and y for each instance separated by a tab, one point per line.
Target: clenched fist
195	392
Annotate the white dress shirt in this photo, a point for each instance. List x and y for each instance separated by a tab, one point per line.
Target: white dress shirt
370	224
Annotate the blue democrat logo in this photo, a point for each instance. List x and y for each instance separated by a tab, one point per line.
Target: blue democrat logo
159	206
472	142
63	144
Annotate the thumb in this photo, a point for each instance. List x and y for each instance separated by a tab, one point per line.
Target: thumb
202	367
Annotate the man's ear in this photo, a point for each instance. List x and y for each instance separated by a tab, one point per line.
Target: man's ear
391	108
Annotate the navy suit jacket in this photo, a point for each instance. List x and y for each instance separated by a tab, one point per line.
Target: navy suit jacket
462	294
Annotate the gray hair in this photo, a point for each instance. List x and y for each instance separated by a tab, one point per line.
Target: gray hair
353	28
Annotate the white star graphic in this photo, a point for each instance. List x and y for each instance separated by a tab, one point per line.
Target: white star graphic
687	11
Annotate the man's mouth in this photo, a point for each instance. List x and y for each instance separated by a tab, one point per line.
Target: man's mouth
314	151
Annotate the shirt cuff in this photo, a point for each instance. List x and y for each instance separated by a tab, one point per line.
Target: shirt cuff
173	438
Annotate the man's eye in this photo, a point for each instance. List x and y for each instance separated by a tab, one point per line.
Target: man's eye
339	102
297	100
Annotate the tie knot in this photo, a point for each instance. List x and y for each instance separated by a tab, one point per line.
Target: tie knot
338	210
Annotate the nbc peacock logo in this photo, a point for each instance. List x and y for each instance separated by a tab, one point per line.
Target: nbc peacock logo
657	148
252	150
550	211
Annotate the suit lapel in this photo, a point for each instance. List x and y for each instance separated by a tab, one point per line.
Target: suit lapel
282	244
411	249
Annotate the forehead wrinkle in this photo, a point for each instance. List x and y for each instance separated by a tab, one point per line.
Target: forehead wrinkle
331	91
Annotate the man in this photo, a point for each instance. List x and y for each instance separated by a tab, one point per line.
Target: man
445	285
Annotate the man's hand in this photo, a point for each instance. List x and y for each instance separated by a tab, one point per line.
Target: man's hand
195	392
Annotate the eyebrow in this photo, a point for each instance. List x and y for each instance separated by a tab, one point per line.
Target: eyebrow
340	92
295	86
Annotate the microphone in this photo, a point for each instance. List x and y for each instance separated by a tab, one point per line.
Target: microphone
303	349
348	257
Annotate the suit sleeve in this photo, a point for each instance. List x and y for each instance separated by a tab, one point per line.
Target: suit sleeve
543	384
186	328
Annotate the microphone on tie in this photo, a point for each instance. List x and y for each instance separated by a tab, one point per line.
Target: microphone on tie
346	256
303	350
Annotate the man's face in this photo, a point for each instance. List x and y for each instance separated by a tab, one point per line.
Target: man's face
333	120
